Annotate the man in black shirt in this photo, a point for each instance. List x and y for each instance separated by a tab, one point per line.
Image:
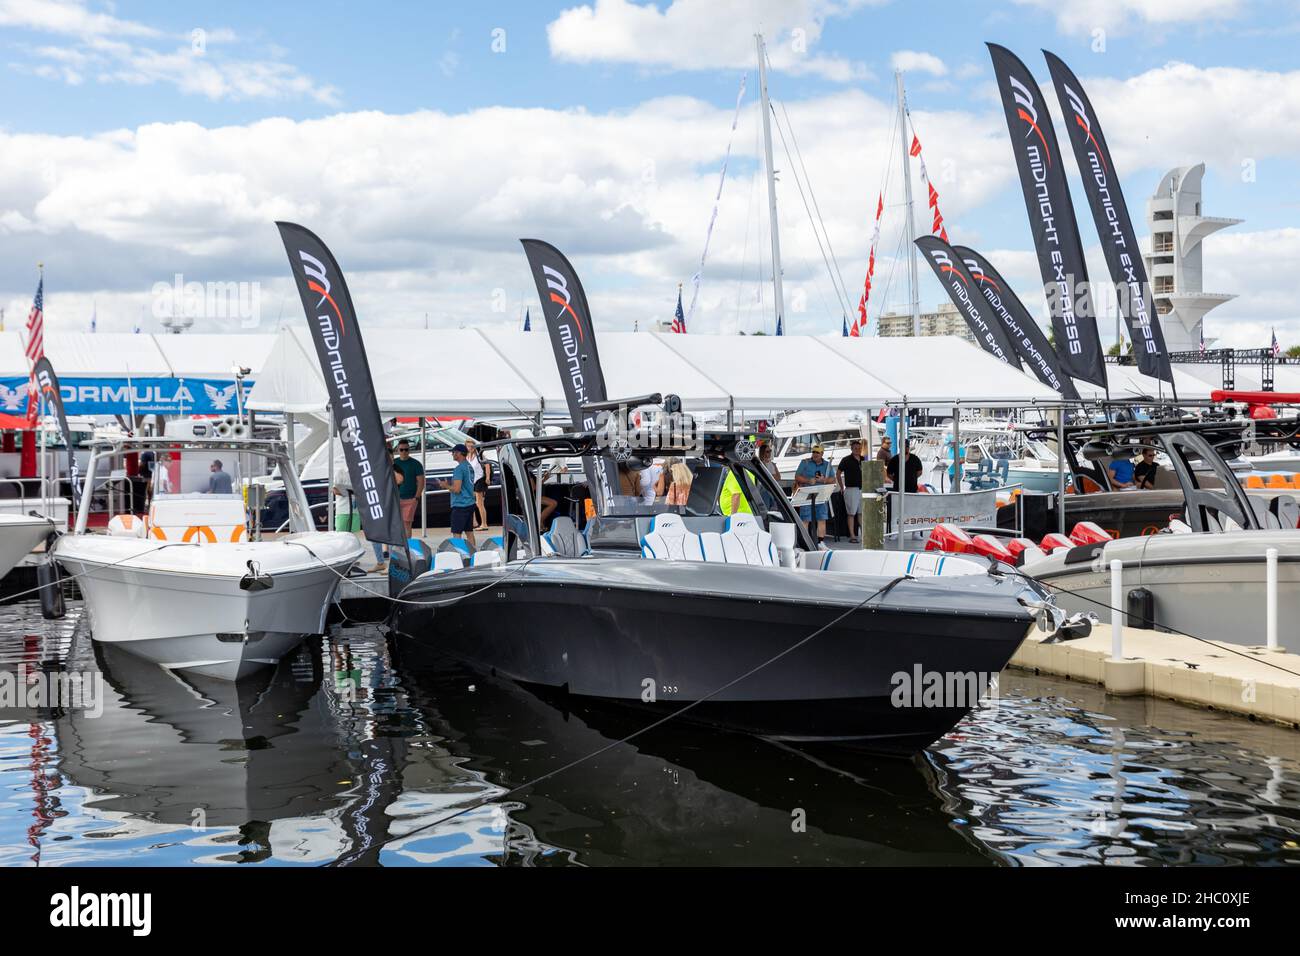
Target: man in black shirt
850	481
913	470
1144	472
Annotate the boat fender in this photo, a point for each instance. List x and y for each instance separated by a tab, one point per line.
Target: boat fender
255	579
50	580
1141	608
1084	553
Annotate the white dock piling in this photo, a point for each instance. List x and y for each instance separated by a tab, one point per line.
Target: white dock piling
1270	598
1117	609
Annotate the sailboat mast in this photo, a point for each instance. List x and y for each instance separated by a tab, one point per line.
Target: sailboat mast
778	296
913	292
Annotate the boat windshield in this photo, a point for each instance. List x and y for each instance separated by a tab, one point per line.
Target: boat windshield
705	488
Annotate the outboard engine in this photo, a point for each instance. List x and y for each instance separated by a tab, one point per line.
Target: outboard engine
1089	532
1052	542
991	547
406	564
950	539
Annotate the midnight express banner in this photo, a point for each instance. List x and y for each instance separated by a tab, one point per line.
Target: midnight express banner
573	338
118	396
343	363
961	288
1051	218
48	383
1026	337
1114	226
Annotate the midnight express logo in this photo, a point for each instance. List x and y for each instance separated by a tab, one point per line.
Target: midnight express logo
1133	299
1039	156
330	323
1028	350
572	351
959	290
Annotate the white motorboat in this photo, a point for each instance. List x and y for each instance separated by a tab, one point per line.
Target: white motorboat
795	434
186	586
19	535
1206	575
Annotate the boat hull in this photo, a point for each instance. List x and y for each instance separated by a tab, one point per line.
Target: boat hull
19	535
668	636
198	619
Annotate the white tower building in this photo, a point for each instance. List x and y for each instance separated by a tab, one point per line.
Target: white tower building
1174	260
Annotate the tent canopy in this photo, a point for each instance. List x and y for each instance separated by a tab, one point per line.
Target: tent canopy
937	370
474	372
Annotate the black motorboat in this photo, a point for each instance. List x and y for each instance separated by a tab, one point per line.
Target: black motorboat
686	610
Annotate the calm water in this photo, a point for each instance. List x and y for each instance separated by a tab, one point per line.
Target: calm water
298	768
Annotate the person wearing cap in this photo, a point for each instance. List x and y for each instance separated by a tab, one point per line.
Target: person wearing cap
461	486
815	470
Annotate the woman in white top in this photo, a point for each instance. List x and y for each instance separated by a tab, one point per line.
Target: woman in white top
482	469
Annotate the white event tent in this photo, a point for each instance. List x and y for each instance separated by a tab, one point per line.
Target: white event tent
478	373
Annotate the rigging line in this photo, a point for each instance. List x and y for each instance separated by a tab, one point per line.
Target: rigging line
816	235
482	802
811	192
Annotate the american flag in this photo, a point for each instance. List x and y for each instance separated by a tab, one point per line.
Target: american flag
528	320
679	317
36	326
1277	349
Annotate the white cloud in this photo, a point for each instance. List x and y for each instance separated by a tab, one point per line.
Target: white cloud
113	50
703	35
1124	16
914	61
425	209
1180	114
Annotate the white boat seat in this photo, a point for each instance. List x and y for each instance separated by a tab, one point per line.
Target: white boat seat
126	526
483	559
712	547
1266	518
444	561
198	518
920	564
669	540
564	539
745	542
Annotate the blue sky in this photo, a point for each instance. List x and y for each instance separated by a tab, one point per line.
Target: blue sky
97	68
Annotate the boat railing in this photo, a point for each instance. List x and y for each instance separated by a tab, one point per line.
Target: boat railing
22	492
310	508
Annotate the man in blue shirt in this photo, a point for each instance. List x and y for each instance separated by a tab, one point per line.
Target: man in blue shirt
461	486
815	470
1121	469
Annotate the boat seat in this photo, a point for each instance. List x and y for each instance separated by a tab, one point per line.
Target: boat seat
711	545
483	559
198	518
444	561
1277	480
921	564
564	539
457	545
1254	481
670	540
1286	510
126	526
745	542
1266	518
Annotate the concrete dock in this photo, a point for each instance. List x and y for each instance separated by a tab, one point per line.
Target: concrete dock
1251	681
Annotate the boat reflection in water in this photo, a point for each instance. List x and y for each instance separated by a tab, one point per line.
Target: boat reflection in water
342	755
299	763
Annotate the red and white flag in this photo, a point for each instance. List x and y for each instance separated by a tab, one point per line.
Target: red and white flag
35	350
860	322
